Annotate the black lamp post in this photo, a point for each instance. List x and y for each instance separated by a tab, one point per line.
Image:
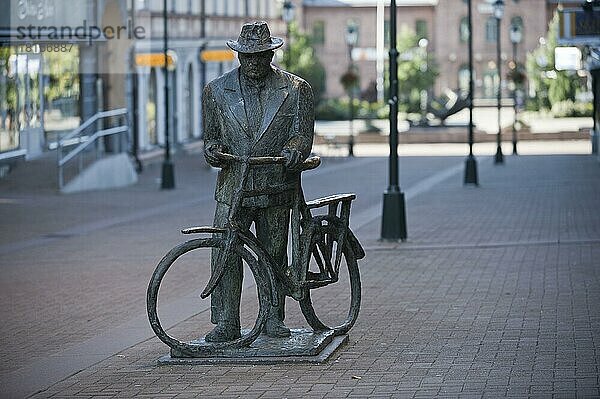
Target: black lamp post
351	39
498	14
393	220
515	37
168	172
423	43
134	99
287	14
471	162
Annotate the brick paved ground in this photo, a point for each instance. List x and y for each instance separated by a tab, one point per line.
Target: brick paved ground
495	293
84	260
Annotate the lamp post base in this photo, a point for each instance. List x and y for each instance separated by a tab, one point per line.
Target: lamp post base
351	146
499	157
471	171
393	221
168	176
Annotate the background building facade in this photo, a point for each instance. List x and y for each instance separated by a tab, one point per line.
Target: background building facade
442	22
197	34
44	94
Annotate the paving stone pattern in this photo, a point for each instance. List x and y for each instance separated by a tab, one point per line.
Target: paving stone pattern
93	273
495	294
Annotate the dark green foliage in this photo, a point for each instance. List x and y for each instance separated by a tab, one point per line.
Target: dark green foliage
568	108
302	60
550	86
417	71
339	109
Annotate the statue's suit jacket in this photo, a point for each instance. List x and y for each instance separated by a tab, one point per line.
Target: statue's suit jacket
288	123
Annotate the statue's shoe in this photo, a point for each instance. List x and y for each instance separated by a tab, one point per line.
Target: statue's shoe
223	333
275	328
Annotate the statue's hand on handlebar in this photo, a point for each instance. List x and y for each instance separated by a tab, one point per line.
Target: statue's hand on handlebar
293	158
210	154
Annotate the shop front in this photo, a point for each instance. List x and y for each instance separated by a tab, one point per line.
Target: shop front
39	73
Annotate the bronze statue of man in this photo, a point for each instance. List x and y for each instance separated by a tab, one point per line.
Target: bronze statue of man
255	110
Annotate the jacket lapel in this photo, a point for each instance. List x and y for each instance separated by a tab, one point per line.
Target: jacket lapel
235	100
277	95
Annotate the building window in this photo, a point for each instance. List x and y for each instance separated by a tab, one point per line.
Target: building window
490	29
142	4
491	83
463	30
188	94
386	33
463	78
208	8
421	29
151	109
318	32
518	22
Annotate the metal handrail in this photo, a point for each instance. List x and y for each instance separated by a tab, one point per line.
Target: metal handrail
90	140
94	118
85	141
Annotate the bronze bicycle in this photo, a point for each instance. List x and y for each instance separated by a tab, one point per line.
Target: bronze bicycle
324	238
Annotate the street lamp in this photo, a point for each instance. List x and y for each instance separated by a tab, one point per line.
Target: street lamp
515	37
471	162
498	8
351	39
423	42
393	219
168	172
287	14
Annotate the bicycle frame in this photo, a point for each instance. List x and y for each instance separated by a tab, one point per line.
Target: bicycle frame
234	233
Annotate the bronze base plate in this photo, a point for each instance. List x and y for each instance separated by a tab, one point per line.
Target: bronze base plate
302	346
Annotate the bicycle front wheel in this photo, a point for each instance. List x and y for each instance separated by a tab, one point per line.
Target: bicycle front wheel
326	320
208	348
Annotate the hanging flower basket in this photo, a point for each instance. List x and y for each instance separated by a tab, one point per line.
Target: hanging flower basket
349	79
517	75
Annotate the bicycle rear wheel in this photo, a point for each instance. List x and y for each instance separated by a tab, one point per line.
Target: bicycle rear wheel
208	348
339	328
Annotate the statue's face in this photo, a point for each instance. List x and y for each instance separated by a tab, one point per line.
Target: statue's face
256	66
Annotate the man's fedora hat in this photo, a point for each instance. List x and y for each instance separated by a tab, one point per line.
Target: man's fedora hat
254	38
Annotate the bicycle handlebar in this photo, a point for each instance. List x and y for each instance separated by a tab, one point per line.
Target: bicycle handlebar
309	163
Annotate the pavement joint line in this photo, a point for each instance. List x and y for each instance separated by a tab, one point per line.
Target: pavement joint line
82	229
423	247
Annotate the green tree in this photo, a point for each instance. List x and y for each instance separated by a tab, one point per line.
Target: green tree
417	70
300	59
550	86
62	70
9	95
